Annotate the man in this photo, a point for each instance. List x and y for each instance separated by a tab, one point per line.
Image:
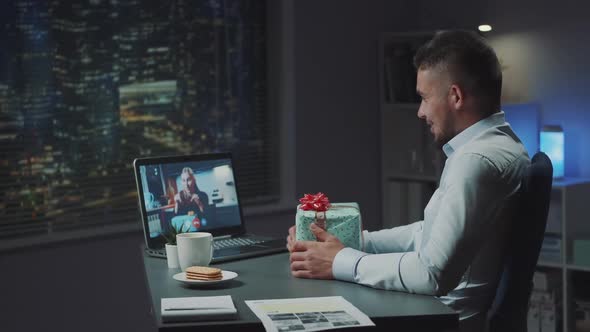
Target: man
456	251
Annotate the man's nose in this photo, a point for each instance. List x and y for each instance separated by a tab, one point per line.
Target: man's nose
420	113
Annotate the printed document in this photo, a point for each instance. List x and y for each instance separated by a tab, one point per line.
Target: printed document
308	314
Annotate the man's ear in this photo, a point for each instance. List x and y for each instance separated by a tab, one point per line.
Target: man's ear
456	97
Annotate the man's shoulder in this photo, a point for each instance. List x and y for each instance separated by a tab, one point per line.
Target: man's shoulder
499	146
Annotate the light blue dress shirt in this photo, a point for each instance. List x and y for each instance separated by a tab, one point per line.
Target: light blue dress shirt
456	251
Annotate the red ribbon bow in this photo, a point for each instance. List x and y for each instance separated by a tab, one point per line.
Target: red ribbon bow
318	202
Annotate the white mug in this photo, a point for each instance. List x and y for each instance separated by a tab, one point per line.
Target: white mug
194	249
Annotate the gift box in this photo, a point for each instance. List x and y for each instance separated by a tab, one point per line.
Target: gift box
342	220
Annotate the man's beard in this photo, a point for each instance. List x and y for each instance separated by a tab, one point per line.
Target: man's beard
441	142
444	135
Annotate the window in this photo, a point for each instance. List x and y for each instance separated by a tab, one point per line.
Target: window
87	86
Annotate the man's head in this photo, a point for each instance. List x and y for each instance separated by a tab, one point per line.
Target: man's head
459	80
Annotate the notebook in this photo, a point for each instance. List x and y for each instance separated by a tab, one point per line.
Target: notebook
196	193
178	309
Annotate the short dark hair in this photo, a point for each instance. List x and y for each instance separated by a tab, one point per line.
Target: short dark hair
469	60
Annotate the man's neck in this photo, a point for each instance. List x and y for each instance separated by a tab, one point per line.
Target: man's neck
468	119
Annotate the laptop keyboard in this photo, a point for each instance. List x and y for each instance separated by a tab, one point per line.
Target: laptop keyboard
234	242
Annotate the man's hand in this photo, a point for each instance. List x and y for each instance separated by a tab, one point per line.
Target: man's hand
311	259
291	239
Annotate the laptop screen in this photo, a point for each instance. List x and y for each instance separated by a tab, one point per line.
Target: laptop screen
189	194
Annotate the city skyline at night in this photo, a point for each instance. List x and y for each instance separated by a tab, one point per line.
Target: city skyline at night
86	86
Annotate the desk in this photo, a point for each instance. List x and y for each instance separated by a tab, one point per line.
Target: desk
269	277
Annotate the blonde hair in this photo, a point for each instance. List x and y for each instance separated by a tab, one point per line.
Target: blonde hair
190	172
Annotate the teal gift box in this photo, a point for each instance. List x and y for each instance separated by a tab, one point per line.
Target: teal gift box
342	220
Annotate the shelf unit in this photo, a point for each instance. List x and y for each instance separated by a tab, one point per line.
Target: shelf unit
410	165
569	213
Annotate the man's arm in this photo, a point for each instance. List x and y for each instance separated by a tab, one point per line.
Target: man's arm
473	193
397	239
465	208
311	259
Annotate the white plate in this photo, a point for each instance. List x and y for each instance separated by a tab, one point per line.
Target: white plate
225	276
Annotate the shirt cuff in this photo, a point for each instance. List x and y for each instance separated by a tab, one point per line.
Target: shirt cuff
345	263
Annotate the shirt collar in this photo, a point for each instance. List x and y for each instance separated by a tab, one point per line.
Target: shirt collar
470	132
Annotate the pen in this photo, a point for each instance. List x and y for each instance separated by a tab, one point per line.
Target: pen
201	308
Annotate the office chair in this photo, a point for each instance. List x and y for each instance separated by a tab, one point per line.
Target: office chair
510	306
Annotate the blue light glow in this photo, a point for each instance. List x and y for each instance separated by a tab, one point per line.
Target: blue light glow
524	120
552	144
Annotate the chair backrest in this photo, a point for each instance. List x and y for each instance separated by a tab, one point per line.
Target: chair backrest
510	306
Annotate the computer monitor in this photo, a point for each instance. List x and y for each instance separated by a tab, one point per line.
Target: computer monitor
525	121
552	143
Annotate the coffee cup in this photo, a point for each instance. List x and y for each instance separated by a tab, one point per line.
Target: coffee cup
194	249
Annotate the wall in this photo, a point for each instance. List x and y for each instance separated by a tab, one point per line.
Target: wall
337	101
544	50
87	285
557	68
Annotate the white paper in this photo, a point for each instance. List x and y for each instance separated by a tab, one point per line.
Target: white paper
197	308
308	314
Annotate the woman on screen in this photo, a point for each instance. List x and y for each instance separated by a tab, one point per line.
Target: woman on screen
190	200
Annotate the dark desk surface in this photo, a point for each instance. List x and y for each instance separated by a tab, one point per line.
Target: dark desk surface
269	277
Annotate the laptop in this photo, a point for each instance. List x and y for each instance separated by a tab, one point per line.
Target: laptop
195	193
